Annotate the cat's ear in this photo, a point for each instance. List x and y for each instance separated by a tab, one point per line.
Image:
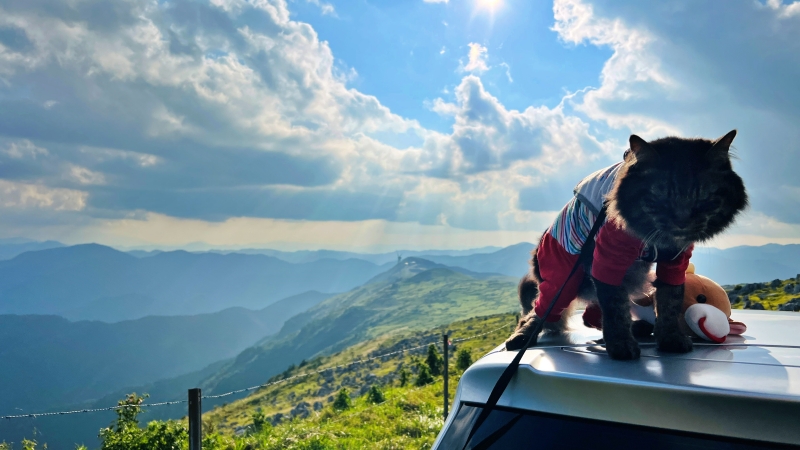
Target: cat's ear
640	147
723	144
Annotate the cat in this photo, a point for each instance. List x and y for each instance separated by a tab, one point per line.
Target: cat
665	196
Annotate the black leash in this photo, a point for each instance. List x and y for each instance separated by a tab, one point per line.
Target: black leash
508	373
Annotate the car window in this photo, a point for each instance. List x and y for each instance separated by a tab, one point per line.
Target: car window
508	429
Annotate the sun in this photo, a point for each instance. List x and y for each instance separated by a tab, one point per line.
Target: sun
488	4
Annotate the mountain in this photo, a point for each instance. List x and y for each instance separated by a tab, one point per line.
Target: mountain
96	282
412	296
58	362
304	256
748	264
511	260
10	248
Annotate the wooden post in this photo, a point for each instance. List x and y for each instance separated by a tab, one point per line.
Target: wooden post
195	420
446	363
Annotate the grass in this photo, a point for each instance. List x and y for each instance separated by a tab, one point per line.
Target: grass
770	297
410	417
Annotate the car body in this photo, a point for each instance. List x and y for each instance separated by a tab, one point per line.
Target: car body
567	393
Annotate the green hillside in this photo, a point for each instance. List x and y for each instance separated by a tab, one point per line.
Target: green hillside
415	295
408	416
782	295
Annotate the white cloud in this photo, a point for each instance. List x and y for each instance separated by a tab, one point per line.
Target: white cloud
633	72
785	10
508	71
30	196
82	175
325	8
476	59
24	149
368	236
435	1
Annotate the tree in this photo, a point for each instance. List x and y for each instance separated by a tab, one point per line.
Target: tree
375	395
342	400
424	376
125	434
260	422
434	361
404	375
463	360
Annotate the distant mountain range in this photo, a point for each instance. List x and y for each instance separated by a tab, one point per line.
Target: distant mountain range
96	282
49	361
10	248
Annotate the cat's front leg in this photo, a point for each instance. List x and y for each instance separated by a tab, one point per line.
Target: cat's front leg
620	343
669	337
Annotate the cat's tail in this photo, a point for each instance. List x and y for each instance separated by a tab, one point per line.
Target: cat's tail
528	290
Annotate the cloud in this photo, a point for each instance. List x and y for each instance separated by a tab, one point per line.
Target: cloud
435	1
673	73
508	71
122	119
26	196
476	59
325	8
784	10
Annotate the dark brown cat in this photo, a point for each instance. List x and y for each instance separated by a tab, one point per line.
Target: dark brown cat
665	196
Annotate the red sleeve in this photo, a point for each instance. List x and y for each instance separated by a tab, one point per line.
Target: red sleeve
614	252
674	272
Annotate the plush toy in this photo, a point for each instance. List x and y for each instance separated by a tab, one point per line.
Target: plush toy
706	311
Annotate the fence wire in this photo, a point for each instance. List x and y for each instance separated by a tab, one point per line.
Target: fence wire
251	388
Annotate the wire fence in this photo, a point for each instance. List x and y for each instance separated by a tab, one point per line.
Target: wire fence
253	388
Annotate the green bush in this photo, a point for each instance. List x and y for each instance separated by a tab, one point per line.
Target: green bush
424	376
404	376
375	395
463	360
260	422
342	400
434	361
125	433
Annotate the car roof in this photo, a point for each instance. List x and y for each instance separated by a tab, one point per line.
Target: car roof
748	387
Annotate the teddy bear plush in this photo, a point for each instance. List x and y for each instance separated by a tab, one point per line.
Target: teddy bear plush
706	311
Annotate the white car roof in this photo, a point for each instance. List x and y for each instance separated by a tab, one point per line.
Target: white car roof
748	387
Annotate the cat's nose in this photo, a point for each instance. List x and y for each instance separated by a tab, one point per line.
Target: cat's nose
682	219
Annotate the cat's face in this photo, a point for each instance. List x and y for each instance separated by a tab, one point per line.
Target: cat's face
676	191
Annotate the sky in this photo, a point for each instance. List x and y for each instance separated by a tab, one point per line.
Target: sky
374	125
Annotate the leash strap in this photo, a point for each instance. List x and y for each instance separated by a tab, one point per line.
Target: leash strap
508	373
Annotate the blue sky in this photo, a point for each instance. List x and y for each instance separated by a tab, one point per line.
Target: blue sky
374	125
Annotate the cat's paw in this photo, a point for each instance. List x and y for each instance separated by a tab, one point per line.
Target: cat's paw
623	349
517	340
674	343
524	329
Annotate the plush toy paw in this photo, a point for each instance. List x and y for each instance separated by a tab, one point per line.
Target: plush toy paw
623	349
524	329
675	342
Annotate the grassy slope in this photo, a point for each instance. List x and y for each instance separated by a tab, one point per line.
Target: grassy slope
421	301
770	297
409	418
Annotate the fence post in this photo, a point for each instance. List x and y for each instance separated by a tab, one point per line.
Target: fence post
446	363
195	420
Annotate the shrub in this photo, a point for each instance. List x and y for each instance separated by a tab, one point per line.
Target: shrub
404	375
434	361
463	360
260	422
342	400
375	395
424	376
